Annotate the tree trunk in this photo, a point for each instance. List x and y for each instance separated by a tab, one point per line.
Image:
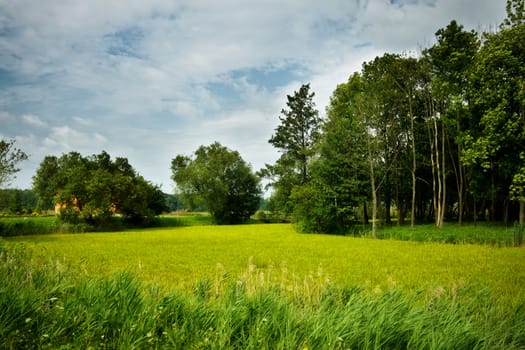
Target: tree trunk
373	186
492	194
433	167
438	204
522	212
374	208
475	211
444	179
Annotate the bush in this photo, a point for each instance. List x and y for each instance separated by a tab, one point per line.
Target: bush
27	226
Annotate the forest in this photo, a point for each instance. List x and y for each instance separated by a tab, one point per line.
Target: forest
432	137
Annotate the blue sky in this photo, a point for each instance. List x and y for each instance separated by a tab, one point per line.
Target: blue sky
148	80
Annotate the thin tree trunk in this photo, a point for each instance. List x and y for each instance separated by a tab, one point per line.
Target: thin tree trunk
492	194
433	167
444	180
438	176
522	212
414	166
373	185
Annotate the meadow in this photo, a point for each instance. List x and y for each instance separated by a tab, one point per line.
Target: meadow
258	286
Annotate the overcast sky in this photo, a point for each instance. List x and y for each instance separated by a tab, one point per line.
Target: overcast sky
148	80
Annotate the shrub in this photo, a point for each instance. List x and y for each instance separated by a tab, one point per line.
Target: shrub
26	226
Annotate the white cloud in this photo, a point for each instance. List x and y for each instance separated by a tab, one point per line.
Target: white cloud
68	139
151	79
82	121
33	121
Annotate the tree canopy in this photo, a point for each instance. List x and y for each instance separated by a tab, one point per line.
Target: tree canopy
92	189
219	179
439	136
295	137
10	156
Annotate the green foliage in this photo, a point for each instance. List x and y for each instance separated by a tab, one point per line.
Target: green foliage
298	131
15	201
517	187
92	189
10	156
18	226
47	306
339	179
220	179
515	13
296	139
439	136
483	233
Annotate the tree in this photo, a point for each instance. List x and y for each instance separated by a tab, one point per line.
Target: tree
93	189
295	138
391	86
339	183
515	13
16	201
498	94
449	64
10	156
220	179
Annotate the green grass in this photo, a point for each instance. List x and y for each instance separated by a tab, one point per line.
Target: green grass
17	226
483	233
276	254
265	286
48	306
38	225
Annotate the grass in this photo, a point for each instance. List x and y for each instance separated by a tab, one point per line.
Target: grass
44	306
178	257
17	226
483	233
258	287
38	225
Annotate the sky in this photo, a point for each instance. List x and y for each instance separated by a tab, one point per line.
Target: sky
148	80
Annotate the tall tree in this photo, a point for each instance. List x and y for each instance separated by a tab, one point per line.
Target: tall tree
390	83
498	94
449	62
220	179
295	138
10	156
339	179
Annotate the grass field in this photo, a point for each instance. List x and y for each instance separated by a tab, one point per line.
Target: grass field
257	287
178	257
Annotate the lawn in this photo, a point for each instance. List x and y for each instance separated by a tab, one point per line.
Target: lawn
275	253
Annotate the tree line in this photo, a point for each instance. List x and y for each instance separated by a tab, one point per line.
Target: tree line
439	136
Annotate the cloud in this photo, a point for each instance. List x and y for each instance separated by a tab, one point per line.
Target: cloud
69	139
33	121
151	79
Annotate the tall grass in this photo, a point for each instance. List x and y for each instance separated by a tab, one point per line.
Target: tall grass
40	225
177	257
18	226
46	306
495	234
